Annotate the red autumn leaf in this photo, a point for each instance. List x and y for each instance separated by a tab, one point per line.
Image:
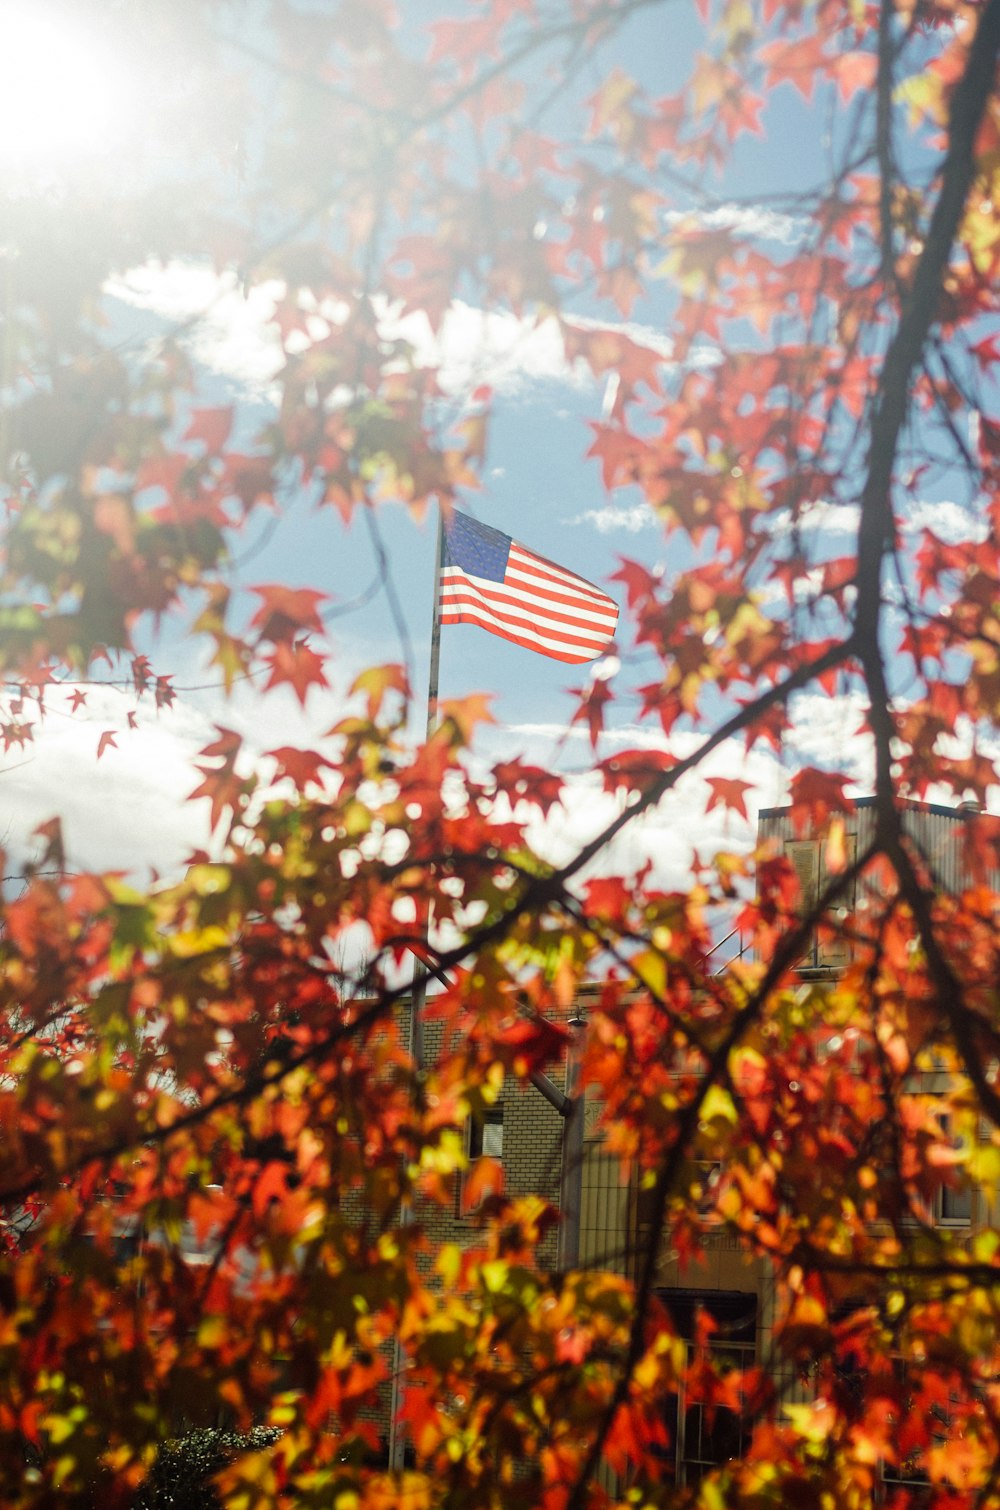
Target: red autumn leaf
590	710
16	734
298	666
270	1185
528	783
619	454
799	60
816	796
301	766
54	854
853	71
635	770
464	42
106	741
608	899
485	1178
166	472
211	427
286	611
728	792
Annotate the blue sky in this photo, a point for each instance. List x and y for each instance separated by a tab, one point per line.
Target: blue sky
537	487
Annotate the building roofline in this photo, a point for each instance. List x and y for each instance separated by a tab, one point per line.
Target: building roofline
911	803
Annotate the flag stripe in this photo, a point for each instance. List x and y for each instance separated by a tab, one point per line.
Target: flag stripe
572	591
519	603
583	643
557	649
490	580
547	571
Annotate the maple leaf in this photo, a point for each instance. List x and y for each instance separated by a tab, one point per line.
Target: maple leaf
54	854
485	1178
619	453
16	733
728	792
464	42
301	766
220	783
799	61
140	673
249	478
377	681
460	716
298	665
106	741
286	611
211	427
635	770
610	106
816	796
590	708
528	783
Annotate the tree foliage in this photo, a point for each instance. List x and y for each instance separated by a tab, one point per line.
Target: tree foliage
193	1058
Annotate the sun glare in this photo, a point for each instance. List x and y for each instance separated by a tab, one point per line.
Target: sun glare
64	95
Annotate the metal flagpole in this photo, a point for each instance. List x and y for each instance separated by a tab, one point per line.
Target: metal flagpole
432	680
419	991
418	994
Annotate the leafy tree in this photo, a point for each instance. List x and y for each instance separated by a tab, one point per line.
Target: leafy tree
191	1054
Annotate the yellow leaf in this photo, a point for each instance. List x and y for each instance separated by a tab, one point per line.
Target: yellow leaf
718	1104
836	848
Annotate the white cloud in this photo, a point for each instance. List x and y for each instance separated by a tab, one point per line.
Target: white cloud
827	730
675	835
231	333
821	515
129	809
748	220
669	837
949	520
611	519
124	811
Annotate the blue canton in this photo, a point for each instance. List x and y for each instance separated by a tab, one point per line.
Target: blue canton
475	548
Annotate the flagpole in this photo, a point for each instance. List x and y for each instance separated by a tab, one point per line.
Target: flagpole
419	989
418	994
432	680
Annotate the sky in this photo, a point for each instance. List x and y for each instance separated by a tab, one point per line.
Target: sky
128	810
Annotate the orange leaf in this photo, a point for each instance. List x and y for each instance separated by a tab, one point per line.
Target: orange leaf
297	665
485	1178
728	792
377	681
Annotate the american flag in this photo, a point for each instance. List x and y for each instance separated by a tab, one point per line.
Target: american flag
490	580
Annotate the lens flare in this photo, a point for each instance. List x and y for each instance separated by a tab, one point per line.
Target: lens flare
65	98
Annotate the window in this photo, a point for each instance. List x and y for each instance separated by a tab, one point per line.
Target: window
954	1206
703	1440
486	1133
953	1203
806	856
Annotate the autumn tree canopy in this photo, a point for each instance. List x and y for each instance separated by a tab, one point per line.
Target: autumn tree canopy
766	233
